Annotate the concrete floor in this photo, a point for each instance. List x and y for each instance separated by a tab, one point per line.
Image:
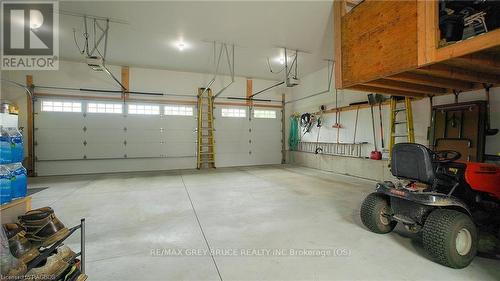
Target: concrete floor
274	207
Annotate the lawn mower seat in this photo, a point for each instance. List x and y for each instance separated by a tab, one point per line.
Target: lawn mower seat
413	162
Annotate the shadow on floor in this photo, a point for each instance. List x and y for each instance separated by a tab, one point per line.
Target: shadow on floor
32	191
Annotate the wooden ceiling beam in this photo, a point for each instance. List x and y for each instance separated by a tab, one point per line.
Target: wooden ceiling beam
405	86
380	90
439	82
440	70
480	62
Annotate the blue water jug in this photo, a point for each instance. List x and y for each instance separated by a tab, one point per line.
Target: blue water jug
5	149
16	145
18	180
5	188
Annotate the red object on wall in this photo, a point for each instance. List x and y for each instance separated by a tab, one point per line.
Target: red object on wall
483	177
376	155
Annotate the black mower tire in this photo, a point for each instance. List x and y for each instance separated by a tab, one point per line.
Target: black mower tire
371	209
439	237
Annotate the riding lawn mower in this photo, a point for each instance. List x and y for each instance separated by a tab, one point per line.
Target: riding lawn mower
446	202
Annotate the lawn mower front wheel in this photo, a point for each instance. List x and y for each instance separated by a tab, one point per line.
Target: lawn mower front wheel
450	238
376	212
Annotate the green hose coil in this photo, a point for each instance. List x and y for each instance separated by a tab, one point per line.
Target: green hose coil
293	137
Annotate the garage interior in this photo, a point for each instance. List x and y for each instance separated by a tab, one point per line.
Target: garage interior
249	140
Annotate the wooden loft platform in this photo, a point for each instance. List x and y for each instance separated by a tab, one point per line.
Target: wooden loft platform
391	47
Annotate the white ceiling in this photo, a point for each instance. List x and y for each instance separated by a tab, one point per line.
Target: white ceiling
257	28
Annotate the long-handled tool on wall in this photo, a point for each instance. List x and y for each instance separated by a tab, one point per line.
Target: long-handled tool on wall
337	116
355	127
319	125
380	99
375	155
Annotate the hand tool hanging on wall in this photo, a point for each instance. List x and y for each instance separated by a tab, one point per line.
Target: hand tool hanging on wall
307	120
380	99
319	125
375	155
355	125
337	116
355	128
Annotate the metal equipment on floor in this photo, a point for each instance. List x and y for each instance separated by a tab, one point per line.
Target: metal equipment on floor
206	144
408	121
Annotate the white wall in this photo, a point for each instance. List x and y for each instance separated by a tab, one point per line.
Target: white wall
79	75
317	81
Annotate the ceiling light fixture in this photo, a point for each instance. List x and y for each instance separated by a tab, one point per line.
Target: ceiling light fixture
281	60
181	45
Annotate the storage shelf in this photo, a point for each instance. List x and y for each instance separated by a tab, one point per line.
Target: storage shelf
48	251
399	54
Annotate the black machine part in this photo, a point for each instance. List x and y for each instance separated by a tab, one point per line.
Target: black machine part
431	199
423	164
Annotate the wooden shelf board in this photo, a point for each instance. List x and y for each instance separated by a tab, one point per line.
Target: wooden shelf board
16	202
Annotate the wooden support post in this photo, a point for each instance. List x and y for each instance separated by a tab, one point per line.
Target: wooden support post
30	124
125	81
249	91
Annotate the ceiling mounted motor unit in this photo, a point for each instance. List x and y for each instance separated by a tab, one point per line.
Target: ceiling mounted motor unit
95	62
292	81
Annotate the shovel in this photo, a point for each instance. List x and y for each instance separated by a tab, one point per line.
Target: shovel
375	155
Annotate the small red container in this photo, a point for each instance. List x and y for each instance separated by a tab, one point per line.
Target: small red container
376	155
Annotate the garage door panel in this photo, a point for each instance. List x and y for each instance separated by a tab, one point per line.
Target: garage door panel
232	159
266	139
179	122
144	122
232	136
105	135
232	125
232	147
145	149
265	149
105	121
179	135
260	158
61	120
60	151
105	150
137	135
275	138
180	149
57	135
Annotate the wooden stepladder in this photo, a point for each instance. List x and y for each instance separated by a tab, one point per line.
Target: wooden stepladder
407	120
206	143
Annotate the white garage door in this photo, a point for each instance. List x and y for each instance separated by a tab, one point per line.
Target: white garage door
71	139
78	137
242	139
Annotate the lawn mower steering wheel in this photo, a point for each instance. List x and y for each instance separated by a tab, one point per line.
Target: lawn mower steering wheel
446	156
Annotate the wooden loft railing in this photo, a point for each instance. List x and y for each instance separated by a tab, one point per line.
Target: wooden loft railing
391	47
